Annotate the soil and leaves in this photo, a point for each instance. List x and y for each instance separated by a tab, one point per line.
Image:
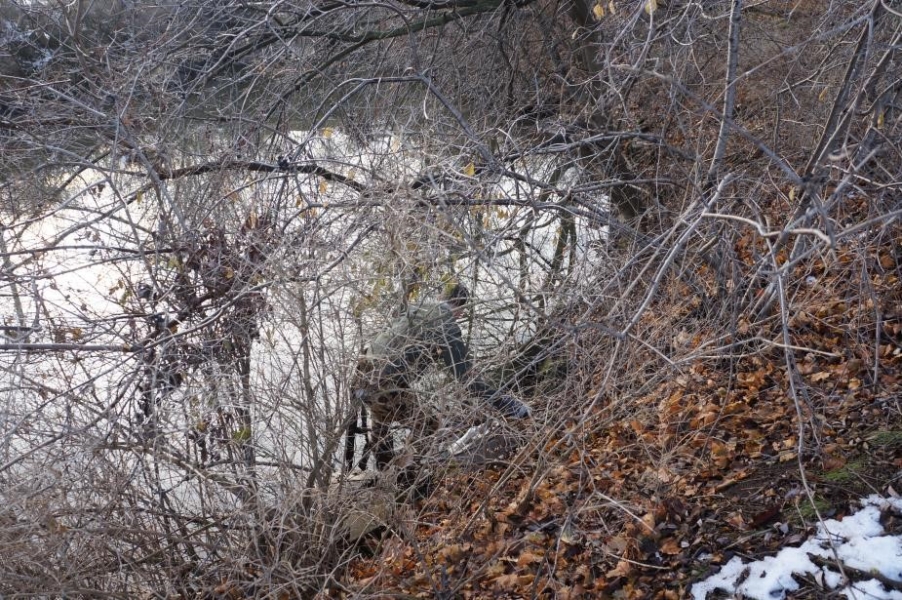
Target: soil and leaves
641	498
701	201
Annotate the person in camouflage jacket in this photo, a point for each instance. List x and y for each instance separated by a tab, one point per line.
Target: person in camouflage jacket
396	358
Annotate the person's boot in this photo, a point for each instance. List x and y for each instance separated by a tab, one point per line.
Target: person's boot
414	483
384	453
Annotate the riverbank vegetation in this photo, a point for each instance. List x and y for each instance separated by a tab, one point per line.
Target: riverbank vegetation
680	221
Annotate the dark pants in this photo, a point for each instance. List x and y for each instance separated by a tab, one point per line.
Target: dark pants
390	401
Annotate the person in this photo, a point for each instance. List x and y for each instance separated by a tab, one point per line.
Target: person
427	334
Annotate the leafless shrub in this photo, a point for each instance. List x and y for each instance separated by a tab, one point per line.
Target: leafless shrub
208	207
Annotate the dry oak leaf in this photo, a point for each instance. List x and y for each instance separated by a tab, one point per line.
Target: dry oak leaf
670	546
528	558
514	582
623	569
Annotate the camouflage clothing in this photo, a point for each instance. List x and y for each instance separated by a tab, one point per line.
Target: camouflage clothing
397	357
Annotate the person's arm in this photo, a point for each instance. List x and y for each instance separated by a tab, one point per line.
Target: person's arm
456	356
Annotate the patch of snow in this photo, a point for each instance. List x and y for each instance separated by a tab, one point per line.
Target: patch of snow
469	439
725	579
858	542
868	590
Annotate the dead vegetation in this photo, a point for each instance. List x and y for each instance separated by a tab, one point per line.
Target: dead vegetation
701	201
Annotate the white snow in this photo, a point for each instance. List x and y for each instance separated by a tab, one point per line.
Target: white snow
857	541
